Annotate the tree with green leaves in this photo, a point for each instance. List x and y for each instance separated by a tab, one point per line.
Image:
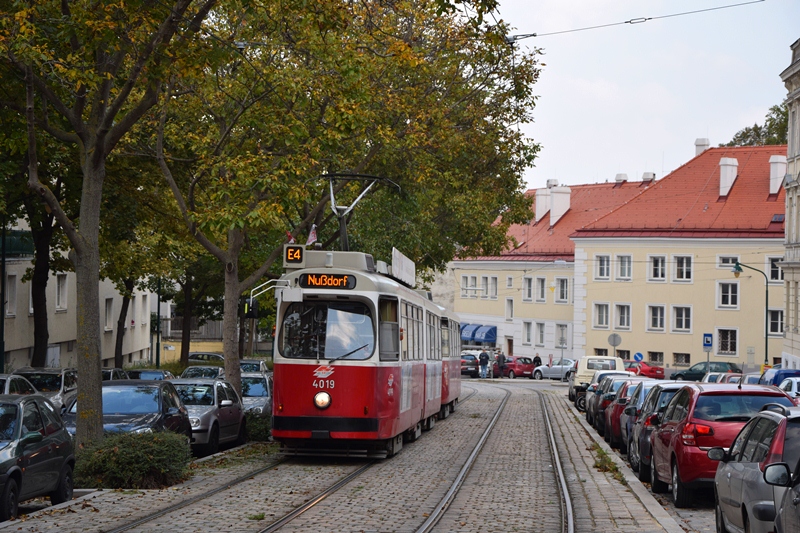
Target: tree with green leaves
774	130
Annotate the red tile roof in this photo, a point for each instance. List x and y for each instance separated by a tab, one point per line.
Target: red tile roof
540	242
687	204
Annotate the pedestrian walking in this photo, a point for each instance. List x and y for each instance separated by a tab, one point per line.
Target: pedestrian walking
483	358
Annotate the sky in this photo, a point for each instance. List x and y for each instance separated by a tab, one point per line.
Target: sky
633	98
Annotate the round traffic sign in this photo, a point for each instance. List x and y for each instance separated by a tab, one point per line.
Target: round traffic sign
638	356
614	340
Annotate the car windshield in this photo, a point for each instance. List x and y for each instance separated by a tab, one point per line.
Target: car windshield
196	394
734	407
254	388
145	374
250	367
45	382
200	372
127	401
8	421
327	330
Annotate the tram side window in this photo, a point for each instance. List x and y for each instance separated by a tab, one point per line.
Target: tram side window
420	333
407	334
389	330
434	341
445	324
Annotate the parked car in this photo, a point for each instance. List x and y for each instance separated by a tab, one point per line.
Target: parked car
206	358
775	376
642	368
581	378
744	501
730	377
751	378
469	364
612	431
13	384
558	370
701	416
595	380
215	411
138	406
110	374
697	371
656	401
150	374
209	372
515	366
787	516
608	393
257	393
253	365
59	385
791	386
631	411
36	453
712	377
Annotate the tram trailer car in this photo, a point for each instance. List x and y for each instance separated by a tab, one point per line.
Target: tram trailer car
358	360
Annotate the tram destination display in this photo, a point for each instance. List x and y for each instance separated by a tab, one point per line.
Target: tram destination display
327	281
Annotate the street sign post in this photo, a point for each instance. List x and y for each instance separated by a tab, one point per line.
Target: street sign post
708	341
614	340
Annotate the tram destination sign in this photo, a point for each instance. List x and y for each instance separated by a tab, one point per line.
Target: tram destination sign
327	281
294	256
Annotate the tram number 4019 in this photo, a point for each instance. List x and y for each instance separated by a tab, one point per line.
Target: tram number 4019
323	384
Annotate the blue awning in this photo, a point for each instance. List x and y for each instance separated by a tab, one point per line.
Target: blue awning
485	334
468	331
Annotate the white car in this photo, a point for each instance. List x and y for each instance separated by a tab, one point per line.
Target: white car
791	386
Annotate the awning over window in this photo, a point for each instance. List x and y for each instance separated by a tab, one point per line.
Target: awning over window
468	331
485	334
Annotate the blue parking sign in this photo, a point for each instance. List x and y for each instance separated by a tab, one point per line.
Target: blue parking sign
707	340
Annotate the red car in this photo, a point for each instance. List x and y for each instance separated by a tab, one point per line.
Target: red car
640	368
613	430
515	367
699	417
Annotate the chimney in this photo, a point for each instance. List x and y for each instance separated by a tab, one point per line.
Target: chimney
621	177
552	183
542	205
700	146
559	203
728	170
648	177
777	171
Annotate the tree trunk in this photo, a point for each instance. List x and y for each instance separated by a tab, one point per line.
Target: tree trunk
240	321
230	345
41	275
188	308
123	317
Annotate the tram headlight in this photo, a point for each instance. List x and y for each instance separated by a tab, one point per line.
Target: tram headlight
322	400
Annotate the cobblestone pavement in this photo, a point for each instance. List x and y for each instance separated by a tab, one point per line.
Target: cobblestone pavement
510	488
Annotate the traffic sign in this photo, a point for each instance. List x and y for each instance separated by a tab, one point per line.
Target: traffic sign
614	340
708	341
638	356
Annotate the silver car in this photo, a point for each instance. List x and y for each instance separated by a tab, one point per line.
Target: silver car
558	370
59	385
745	499
253	365
215	412
257	393
208	372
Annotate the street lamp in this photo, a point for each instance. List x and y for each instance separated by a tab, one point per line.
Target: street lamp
737	270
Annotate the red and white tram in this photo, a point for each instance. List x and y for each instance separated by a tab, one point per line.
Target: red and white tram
362	361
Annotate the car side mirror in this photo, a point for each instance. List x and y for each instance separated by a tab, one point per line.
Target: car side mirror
654	420
717	453
622	401
172	411
225	403
777	474
630	410
31	438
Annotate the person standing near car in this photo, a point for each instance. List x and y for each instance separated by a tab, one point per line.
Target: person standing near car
501	363
537	361
483	359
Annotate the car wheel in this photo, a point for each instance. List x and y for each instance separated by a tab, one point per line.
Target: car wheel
681	495
511	374
644	469
633	458
580	403
720	522
623	446
537	375
678	378
213	441
571	395
656	485
9	505
63	492
242	437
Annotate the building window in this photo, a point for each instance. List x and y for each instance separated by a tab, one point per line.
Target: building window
655	357
11	295
682	319
683	268
624	267
776	322
61	292
775	271
601	351
562	335
680	359
526	332
658	268
145	310
540	289
484	286
728	295
603	266
562	288
727	261
655	317
624	354
509	309
623	316
540	334
493	287
509	282
109	316
132	311
527	289
601	316
726	341
464	287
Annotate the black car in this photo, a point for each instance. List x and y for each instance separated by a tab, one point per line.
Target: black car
140	406
469	365
206	358
36	453
59	385
639	440
697	371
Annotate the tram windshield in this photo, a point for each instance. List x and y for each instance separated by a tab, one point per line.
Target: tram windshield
327	330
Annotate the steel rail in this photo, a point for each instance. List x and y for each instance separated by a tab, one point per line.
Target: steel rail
567	515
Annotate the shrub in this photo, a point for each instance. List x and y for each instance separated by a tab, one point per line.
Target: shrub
257	428
134	461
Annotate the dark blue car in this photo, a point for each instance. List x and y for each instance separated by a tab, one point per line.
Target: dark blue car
774	376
